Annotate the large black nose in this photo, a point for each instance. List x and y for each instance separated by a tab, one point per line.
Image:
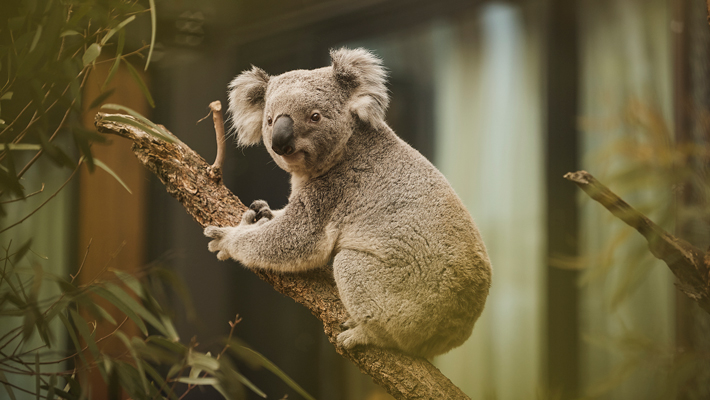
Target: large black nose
282	141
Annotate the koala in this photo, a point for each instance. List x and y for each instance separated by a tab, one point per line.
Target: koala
408	261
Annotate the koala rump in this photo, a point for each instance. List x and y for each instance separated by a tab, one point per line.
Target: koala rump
408	261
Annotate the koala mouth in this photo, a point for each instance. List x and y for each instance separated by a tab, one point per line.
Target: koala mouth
294	157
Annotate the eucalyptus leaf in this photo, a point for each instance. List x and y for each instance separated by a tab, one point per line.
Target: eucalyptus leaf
116	29
198	381
115	176
8	388
153	29
35	40
246	353
158	378
73	337
139	365
90	55
145	128
125	309
83	327
69	32
141	84
162	133
117	62
137	307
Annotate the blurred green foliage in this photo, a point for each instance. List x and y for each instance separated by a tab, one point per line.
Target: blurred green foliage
667	178
48	48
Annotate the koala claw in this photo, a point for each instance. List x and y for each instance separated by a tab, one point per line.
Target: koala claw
214	232
258	205
347	324
258	211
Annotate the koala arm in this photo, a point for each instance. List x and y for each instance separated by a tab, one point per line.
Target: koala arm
288	241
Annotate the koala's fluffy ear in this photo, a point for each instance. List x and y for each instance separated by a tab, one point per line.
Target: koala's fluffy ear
362	72
247	94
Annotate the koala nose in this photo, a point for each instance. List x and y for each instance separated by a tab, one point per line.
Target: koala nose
282	140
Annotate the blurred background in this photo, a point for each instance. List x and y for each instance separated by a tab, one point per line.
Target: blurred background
504	97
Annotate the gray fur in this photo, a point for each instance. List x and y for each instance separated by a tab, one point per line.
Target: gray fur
409	263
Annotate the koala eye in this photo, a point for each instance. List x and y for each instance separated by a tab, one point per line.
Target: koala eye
269	121
315	117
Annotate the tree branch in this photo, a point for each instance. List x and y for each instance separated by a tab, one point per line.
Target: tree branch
189	179
688	263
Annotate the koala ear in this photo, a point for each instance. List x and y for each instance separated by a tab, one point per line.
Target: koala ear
247	94
363	74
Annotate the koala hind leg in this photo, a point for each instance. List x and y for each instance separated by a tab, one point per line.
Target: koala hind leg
354	272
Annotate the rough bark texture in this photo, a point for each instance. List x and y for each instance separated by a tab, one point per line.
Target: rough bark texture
194	183
688	263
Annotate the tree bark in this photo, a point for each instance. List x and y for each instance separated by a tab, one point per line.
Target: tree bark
688	263
198	187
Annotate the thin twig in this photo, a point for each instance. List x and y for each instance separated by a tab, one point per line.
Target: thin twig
25	197
81	266
46	201
216	107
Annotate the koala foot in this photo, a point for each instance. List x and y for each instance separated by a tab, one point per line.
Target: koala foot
258	211
353	337
348	324
219	244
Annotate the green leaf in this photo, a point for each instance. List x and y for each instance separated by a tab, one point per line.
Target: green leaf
246	382
115	176
116	29
125	309
153	28
117	62
51	388
137	307
7	96
83	327
91	54
129	280
203	361
170	346
35	40
145	128
139	365
22	251
73	337
69	32
54	152
157	131
20	147
141	84
247	353
113	390
198	381
100	99
65	395
104	314
158	379
8	388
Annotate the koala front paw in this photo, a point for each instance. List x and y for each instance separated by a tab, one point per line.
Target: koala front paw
258	211
219	244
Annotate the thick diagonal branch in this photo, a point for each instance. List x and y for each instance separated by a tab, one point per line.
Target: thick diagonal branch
189	179
688	263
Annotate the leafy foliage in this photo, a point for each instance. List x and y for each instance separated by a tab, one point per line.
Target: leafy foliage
48	48
136	370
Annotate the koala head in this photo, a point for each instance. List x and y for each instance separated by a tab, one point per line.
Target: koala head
305	117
